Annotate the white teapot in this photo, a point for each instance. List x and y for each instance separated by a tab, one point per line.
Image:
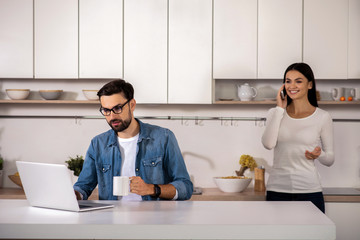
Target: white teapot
246	93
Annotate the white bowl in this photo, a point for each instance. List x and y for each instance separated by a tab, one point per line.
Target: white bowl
18	94
91	94
231	185
50	94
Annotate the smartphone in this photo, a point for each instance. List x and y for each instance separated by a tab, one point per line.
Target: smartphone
282	94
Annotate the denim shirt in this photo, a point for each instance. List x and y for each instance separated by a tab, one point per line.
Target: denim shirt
158	161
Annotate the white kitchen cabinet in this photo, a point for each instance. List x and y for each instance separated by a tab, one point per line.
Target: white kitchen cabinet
190	51
16	38
346	216
145	49
100	39
279	36
56	38
354	39
326	37
235	39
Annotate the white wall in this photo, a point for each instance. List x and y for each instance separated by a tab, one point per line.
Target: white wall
211	148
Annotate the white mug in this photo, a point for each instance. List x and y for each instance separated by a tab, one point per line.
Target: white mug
337	93
356	93
349	92
121	185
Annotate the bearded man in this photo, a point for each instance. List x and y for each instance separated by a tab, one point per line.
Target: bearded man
149	155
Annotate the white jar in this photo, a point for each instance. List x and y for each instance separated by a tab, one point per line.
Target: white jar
246	93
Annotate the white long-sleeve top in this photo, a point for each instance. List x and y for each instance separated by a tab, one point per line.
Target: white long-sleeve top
290	137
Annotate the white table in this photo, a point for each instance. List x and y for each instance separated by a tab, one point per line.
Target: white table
169	220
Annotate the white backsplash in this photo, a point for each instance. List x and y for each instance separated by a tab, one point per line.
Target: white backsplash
210	147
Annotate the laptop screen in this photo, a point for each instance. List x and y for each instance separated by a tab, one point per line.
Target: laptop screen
49	186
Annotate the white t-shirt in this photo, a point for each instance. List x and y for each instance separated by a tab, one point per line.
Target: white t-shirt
128	156
292	172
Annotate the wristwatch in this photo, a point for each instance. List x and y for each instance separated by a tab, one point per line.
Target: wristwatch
157	190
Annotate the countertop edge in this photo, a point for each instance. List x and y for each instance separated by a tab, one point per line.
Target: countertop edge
208	194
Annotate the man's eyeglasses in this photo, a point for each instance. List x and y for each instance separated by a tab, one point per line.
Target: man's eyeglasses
117	109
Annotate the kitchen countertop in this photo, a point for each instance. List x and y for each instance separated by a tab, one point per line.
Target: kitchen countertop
214	194
169	220
330	195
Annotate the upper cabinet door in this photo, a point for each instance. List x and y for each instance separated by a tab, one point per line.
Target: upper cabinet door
56	38
354	39
145	49
16	38
100	39
280	36
326	37
235	39
190	51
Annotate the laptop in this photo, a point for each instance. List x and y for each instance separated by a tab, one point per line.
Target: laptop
50	186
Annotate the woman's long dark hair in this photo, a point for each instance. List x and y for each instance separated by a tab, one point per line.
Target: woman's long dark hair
305	70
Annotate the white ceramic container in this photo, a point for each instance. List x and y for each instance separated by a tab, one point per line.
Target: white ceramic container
18	94
232	185
50	94
246	93
90	94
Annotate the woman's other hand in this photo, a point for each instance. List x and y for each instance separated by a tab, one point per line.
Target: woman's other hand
314	154
279	101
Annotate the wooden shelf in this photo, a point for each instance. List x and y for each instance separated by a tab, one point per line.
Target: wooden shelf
339	102
245	102
274	102
49	101
7	101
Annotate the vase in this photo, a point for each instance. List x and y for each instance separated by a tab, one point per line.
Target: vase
241	171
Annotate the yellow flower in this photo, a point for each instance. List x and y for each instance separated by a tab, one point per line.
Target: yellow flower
248	161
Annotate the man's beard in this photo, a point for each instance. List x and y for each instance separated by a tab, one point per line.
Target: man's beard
123	124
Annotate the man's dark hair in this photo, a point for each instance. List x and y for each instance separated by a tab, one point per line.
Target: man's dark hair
117	86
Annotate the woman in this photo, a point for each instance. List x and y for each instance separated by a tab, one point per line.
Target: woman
300	133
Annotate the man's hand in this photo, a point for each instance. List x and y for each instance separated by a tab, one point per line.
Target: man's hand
78	195
314	154
138	186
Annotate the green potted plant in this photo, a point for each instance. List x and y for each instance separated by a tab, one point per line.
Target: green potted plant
75	164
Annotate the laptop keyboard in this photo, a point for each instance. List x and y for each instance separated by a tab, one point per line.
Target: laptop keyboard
82	206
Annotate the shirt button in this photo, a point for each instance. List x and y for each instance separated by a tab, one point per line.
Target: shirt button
137	169
103	169
153	163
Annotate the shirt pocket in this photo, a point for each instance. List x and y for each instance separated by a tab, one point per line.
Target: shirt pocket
104	177
152	162
105	168
153	170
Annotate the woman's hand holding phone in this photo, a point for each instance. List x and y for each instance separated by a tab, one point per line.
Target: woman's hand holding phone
282	94
281	99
